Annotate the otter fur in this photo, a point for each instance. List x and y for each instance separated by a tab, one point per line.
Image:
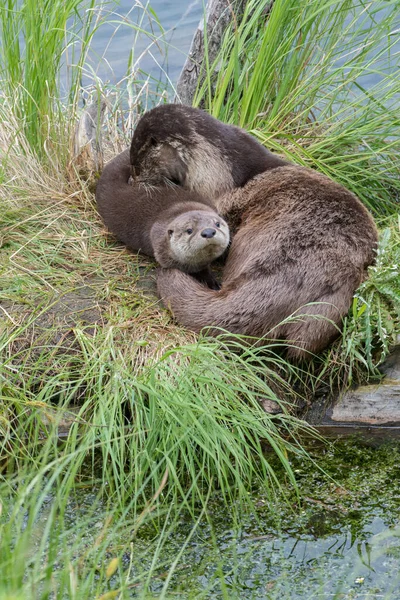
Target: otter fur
302	247
180	229
187	146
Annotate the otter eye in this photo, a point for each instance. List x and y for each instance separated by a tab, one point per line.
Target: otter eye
189	231
170	232
217	224
153	141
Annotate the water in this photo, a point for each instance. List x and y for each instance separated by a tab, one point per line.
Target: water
174	26
300	566
341	542
163	61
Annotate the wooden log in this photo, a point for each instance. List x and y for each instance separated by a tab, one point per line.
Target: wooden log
373	436
219	14
373	410
87	143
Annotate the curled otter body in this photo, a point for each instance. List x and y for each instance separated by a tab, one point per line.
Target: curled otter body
302	247
189	147
179	228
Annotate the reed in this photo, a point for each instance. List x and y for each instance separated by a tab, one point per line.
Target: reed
35	37
299	79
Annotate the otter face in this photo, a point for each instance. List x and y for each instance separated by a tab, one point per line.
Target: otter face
180	145
195	164
158	163
196	238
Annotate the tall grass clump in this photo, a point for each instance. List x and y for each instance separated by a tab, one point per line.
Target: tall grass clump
59	535
90	512
34	39
49	70
318	82
193	419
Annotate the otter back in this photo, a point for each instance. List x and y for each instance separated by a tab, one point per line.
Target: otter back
302	247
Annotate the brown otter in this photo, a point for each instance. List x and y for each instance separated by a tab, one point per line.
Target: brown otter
302	248
189	147
179	228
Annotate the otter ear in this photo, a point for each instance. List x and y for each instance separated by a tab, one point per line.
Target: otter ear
170	232
175	168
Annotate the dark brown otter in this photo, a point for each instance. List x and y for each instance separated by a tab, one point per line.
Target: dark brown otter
302	248
187	146
179	228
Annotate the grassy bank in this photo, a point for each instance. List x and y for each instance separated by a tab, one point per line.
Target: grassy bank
154	421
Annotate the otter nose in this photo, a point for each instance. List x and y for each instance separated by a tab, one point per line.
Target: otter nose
208	233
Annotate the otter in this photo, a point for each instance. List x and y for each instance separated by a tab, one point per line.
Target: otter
180	229
301	248
187	146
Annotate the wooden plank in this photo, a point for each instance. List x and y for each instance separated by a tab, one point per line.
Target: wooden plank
369	435
368	405
371	410
87	141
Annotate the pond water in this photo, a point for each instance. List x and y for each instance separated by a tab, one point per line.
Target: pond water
342	541
173	23
162	60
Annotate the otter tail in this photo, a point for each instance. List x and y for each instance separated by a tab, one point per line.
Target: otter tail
246	309
194	305
251	310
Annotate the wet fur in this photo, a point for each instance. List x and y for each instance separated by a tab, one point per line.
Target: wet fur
187	146
302	247
154	219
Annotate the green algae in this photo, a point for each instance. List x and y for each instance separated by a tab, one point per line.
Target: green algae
342	541
338	538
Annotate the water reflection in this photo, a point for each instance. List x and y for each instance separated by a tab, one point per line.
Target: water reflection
335	566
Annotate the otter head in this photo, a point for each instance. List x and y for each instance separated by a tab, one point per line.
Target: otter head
181	145
158	153
159	163
192	241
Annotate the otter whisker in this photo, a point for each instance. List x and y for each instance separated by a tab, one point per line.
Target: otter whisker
170	183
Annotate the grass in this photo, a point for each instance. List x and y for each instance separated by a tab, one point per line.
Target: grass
298	82
116	425
127	368
371	329
34	38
